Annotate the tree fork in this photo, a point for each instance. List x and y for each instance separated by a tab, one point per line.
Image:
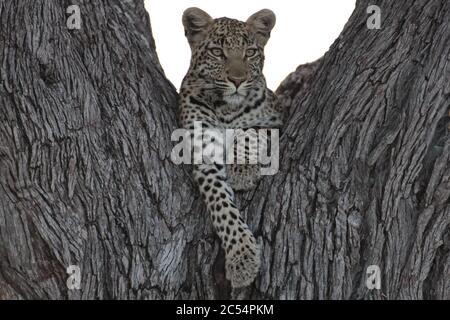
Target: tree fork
86	177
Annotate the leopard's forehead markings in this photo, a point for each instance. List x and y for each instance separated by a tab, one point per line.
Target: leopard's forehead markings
228	32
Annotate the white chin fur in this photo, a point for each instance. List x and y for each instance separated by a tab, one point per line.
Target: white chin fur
234	99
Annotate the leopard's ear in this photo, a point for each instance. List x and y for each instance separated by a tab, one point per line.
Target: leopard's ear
260	24
196	23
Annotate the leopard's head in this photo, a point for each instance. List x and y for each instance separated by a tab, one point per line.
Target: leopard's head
227	54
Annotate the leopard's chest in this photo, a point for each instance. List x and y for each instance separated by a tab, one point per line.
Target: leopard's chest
242	116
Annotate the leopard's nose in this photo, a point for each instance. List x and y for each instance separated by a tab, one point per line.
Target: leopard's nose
237	81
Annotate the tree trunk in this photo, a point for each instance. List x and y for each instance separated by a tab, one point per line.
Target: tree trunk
86	177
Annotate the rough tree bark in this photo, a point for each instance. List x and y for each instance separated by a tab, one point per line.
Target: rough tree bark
86	178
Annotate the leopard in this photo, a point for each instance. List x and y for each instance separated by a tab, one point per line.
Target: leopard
224	88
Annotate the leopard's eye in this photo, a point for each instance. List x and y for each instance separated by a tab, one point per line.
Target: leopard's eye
250	53
216	52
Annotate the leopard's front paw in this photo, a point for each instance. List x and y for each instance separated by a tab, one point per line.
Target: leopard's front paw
243	261
244	177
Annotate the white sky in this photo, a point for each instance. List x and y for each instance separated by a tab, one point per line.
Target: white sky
304	31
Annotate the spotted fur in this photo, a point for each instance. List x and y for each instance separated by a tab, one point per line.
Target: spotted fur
225	88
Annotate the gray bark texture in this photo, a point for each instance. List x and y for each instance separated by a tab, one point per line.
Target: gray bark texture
86	177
